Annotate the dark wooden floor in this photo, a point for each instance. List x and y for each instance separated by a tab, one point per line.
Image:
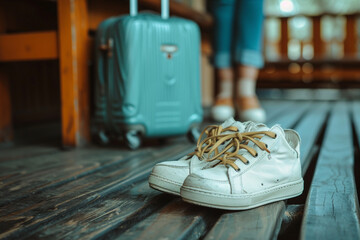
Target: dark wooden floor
102	192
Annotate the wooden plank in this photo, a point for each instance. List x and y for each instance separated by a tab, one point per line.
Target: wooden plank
257	223
122	209
331	210
124	216
28	46
314	120
29	215
273	108
20	179
288	119
177	220
28	175
249	223
356	117
14	153
6	130
74	55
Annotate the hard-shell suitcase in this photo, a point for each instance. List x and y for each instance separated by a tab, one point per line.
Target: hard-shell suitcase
148	76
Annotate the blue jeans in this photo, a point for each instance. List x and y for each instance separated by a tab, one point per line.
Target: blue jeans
238	32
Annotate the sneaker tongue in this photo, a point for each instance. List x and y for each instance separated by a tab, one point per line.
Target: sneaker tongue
231	122
228	122
255	127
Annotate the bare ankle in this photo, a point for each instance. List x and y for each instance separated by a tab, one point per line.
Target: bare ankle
225	85
224	74
246	81
248	72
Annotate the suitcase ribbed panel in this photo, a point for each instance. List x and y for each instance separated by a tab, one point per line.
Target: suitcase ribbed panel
151	88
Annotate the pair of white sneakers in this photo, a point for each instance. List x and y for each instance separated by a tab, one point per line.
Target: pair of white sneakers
235	166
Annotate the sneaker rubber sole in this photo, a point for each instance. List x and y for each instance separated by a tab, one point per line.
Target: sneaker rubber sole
243	201
164	184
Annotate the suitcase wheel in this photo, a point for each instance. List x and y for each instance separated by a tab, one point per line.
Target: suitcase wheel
193	134
133	139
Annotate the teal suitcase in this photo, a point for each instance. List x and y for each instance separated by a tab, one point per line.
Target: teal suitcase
148	77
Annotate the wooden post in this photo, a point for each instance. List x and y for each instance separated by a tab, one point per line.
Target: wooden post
284	38
317	41
6	130
350	43
73	56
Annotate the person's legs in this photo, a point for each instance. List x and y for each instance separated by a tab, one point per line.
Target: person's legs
248	57
223	13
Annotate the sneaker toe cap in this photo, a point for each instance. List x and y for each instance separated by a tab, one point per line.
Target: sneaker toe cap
200	183
174	171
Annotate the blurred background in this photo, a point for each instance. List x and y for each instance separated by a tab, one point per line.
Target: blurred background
308	45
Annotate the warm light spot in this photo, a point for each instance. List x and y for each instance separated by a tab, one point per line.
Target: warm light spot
294	68
307	68
286	6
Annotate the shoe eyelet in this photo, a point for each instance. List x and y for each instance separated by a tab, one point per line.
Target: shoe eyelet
266	145
247	163
275	136
256	155
237	170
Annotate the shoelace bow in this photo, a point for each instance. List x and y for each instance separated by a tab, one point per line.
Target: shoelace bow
239	141
212	133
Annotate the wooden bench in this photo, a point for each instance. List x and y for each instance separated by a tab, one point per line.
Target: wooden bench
103	192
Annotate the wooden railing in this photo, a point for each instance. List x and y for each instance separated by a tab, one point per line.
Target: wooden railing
320	70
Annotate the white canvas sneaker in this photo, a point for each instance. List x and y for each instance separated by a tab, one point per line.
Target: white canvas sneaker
169	176
264	167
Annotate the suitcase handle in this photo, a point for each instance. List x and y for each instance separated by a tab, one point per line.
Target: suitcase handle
164	8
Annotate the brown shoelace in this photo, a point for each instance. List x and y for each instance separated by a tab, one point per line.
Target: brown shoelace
213	133
238	141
